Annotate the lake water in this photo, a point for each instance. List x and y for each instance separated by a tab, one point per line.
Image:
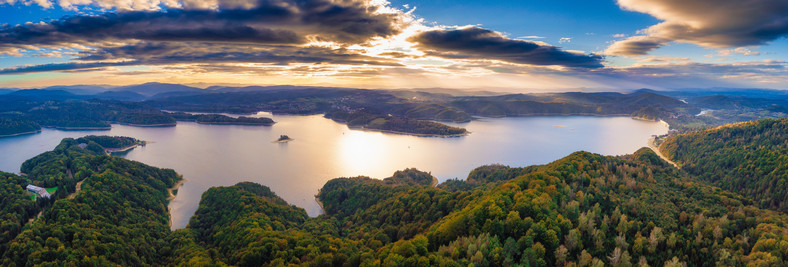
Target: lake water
221	155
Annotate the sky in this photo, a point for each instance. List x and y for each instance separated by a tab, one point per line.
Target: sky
516	46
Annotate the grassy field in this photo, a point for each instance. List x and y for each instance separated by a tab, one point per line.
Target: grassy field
50	190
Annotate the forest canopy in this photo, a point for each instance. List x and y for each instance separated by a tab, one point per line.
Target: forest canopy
749	158
582	210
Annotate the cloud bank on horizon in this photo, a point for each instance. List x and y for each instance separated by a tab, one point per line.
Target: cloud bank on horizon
370	43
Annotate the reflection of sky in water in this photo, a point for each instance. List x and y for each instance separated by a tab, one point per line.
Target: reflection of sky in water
224	155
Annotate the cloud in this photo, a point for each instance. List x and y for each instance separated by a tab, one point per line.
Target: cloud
269	31
661	59
708	23
690	74
479	43
565	40
62	67
42	3
739	50
161	53
147	5
636	46
271	22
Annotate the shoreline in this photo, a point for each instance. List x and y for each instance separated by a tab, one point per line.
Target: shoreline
550	115
283	141
24	133
234	123
124	149
147	125
176	186
361	128
171	197
644	119
107	128
320	204
79	128
653	146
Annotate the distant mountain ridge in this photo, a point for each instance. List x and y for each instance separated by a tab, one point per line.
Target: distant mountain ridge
44	94
150	89
682	109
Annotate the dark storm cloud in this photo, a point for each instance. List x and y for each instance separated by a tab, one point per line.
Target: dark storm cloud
167	53
709	23
62	67
161	53
271	31
479	43
277	22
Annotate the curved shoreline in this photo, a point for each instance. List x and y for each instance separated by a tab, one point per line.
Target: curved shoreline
171	197
123	149
361	128
108	128
652	144
235	123
174	187
18	134
644	119
320	203
79	128
147	125
550	115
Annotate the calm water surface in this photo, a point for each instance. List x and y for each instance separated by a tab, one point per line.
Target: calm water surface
213	155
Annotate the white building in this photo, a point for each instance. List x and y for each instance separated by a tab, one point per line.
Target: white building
38	190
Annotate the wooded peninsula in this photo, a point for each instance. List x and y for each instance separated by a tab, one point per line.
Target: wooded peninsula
582	210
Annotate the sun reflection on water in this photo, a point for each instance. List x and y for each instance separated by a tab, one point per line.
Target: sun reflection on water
362	153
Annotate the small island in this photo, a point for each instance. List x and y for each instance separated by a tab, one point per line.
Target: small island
283	139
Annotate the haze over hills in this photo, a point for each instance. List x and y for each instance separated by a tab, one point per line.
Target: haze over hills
360	107
152	89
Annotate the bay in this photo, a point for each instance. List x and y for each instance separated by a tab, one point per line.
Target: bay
223	155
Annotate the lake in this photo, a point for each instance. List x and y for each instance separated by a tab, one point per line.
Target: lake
222	155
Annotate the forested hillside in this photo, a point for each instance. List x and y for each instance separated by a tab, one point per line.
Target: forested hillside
17	207
119	217
749	158
383	122
14	126
221	119
583	210
96	114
